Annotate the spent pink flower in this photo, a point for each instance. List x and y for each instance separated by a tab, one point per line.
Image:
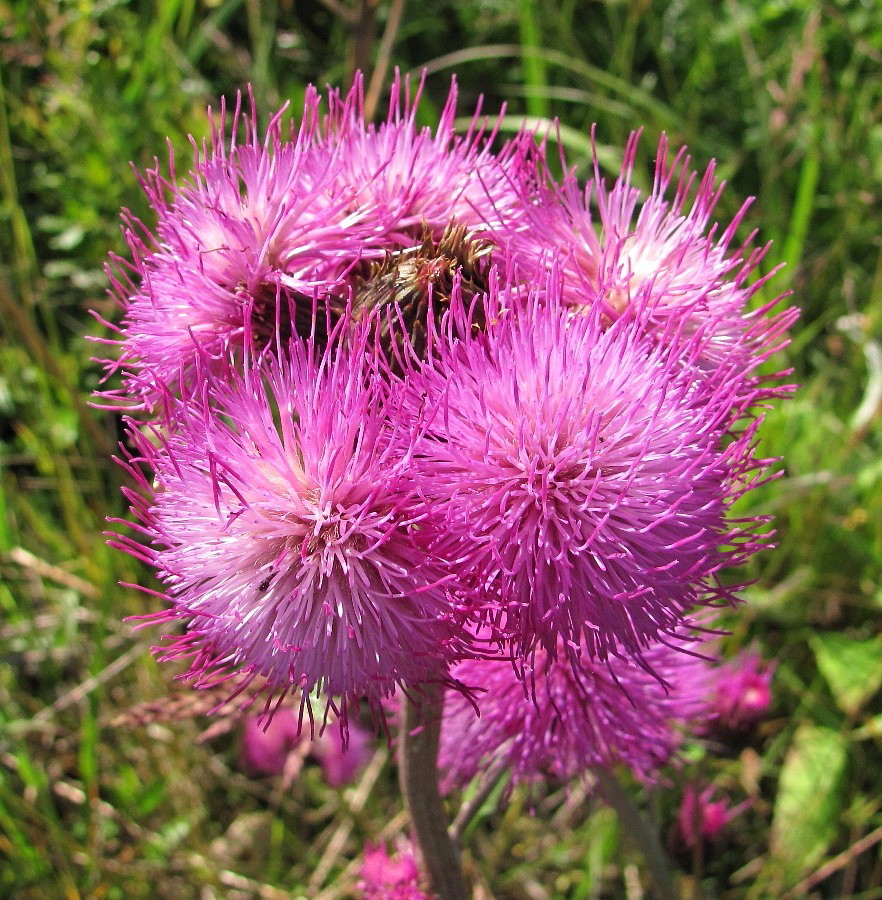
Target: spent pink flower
283	521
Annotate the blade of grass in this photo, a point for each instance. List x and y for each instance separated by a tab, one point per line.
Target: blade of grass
639	98
806	194
535	69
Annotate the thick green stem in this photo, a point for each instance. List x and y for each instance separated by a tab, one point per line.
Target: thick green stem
420	732
641	833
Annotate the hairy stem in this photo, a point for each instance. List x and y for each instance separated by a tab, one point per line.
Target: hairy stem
420	732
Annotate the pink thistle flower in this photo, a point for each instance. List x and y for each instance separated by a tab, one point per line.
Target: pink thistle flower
701	819
284	523
266	746
242	245
583	477
742	692
660	258
385	877
407	180
622	711
342	756
263	231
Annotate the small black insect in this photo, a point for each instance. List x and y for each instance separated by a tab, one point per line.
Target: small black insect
264	585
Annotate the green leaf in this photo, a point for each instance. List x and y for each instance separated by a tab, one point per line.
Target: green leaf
851	667
809	799
871	730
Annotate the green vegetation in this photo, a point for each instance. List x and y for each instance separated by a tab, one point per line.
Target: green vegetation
785	94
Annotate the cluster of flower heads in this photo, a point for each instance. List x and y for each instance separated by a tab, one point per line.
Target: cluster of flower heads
404	409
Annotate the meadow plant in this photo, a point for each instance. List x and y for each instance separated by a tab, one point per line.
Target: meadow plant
410	421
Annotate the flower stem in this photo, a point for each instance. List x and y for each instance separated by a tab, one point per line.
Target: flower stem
641	832
420	732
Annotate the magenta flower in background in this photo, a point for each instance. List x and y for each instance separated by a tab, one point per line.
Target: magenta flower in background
701	819
560	721
742	694
580	477
267	745
342	761
385	877
284	525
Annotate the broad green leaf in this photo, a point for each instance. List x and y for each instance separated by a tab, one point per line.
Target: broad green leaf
852	668
809	799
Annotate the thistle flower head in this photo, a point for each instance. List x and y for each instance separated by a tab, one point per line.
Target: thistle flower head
563	721
407	180
659	258
742	692
243	243
582	476
285	526
265	230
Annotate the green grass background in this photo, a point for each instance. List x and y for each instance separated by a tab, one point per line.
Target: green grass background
785	95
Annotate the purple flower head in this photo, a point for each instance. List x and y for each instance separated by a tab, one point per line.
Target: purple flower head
565	721
742	692
385	877
405	179
582	476
342	756
242	243
263	230
701	819
660	258
266	745
284	523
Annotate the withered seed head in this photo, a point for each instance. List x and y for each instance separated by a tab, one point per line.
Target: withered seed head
279	314
419	281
